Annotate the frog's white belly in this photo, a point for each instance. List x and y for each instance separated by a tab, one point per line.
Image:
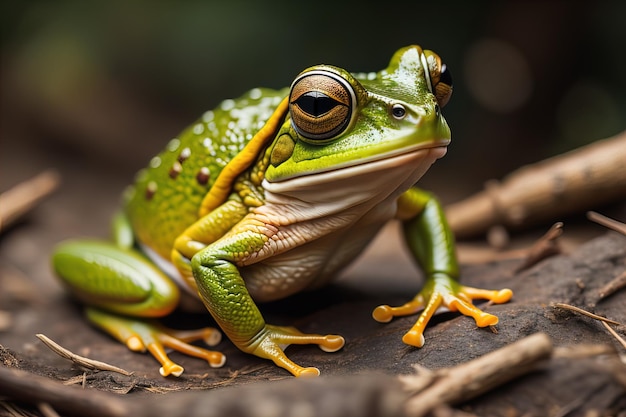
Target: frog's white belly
322	222
314	263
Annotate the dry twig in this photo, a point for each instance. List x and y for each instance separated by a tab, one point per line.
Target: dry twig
615	335
6	320
604	320
582	351
11	410
577	180
545	247
586	313
18	200
80	360
466	381
612	286
607	222
47	410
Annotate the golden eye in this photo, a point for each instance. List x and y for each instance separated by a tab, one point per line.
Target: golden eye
439	76
321	104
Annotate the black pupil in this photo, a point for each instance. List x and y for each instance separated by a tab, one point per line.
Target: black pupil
398	111
316	103
445	76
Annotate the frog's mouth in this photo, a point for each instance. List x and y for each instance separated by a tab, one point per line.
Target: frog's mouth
390	172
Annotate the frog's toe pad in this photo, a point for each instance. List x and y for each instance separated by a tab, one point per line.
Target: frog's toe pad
483	319
272	340
308	372
171	369
135	344
216	359
502	296
383	314
332	343
212	337
414	338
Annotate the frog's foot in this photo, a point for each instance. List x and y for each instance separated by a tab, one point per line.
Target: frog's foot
139	336
270	343
442	291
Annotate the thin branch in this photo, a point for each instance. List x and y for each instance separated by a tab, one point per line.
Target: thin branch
612	286
614	333
80	360
20	199
450	386
586	313
546	190
47	410
583	351
34	389
11	410
546	246
607	222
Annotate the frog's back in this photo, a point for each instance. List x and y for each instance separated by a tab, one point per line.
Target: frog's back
166	195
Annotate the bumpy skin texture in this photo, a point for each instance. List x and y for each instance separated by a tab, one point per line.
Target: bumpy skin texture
166	196
272	194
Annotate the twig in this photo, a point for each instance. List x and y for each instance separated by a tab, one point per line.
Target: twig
604	320
472	255
6	320
47	410
345	396
582	351
607	222
586	313
80	360
568	408
18	200
612	286
458	384
546	190
544	247
34	389
10	408
614	333
79	379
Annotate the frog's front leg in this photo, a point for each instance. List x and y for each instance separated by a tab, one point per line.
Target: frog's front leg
124	292
224	293
432	244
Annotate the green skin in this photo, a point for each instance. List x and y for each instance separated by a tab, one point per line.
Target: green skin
289	217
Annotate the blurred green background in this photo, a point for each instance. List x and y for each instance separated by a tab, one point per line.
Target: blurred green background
112	81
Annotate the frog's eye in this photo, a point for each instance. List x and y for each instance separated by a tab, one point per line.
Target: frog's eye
438	77
398	111
322	105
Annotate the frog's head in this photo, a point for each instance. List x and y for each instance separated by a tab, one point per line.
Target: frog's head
338	120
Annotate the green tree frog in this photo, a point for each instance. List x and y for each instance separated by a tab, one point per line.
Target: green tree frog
271	194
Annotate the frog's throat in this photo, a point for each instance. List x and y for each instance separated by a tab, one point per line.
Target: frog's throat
308	167
366	184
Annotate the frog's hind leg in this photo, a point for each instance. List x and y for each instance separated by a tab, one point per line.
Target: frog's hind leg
124	292
142	335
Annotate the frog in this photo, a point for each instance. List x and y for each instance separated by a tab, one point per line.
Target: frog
273	194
